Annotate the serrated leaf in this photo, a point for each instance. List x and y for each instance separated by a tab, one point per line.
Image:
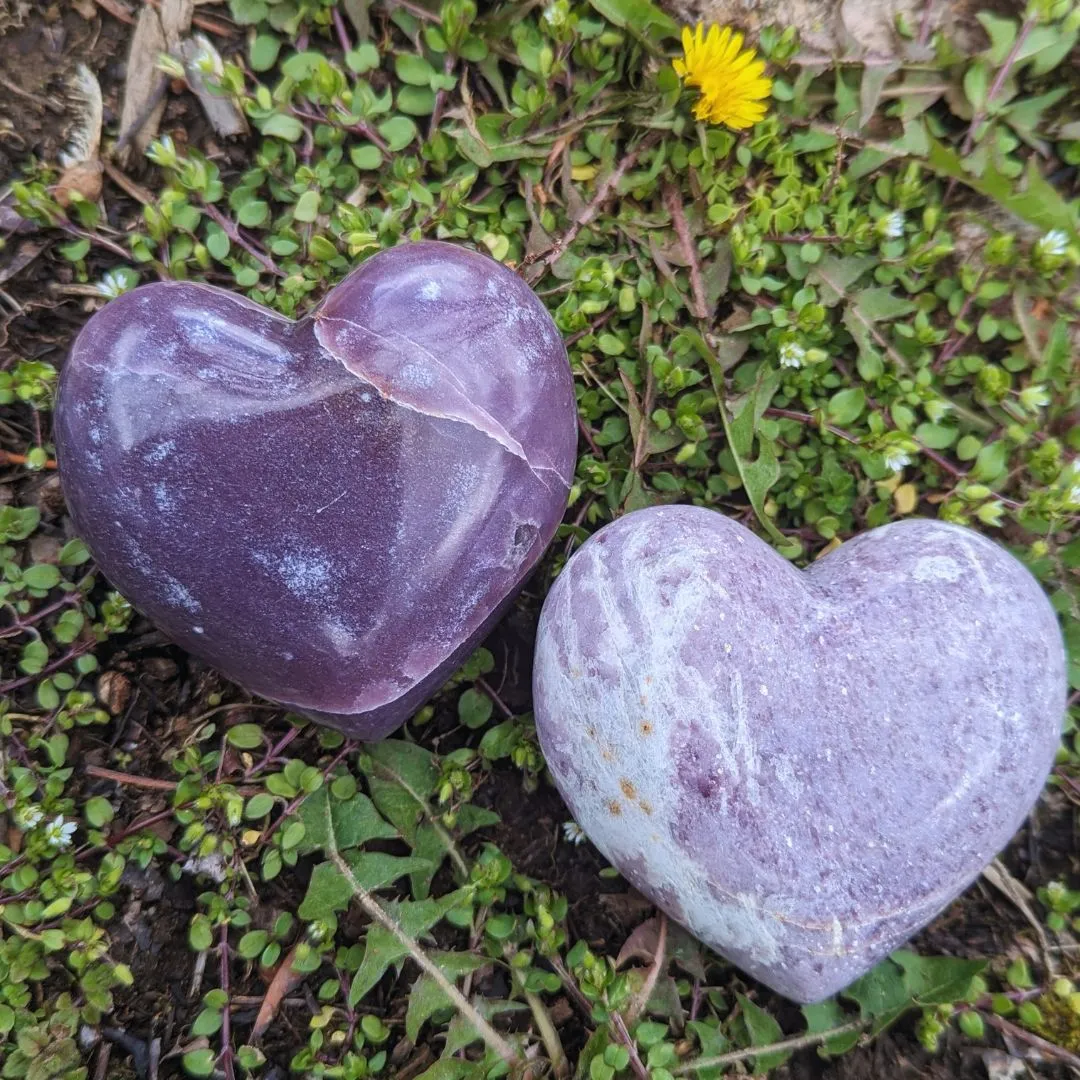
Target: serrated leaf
452	1068
762	1030
381	948
1055	361
426	996
760	473
937	980
826	1016
329	890
834	275
471	817
881	995
880	304
461	1033
355	822
713	1043
1002	34
1039	203
401	778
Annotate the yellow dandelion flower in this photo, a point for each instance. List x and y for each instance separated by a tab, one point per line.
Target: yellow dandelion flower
732	80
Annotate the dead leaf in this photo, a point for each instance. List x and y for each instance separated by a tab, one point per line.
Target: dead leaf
82	179
203	65
998	875
641	944
155	33
283	982
114	691
28	251
1002	1066
842	27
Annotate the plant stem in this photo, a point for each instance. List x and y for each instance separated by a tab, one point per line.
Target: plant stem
999	81
673	202
800	1042
129	779
552	1042
226	1057
377	913
603	192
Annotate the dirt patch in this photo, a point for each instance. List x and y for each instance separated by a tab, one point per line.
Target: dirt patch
38	56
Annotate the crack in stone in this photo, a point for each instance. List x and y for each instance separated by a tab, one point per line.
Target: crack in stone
492	429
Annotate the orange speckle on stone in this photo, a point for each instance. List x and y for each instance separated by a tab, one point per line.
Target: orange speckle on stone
646	727
628	788
607	755
648	680
646	807
591	732
644	699
614	807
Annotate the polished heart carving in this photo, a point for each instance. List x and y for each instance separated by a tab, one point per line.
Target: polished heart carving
802	767
332	511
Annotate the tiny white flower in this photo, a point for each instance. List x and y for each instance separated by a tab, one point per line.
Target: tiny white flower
892	225
896	458
1074	495
29	817
1055	242
112	285
58	833
573	832
792	354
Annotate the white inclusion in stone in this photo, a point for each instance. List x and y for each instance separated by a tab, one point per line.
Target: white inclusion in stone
304	572
937	568
198	630
430	290
160	452
416	375
162	499
179	595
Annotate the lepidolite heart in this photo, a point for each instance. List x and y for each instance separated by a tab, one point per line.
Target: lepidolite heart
801	767
332	511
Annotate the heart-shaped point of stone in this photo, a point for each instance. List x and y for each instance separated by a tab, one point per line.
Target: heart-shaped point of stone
802	767
332	511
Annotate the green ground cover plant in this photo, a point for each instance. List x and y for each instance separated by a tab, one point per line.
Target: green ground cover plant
863	307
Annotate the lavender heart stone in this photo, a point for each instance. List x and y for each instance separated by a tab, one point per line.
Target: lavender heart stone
332	511
803	768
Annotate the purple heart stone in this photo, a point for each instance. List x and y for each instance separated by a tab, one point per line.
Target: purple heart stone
803	768
333	511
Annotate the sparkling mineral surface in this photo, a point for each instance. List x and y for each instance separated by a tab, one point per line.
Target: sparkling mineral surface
802	767
332	511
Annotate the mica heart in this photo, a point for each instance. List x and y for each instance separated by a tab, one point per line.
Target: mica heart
802	767
332	511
